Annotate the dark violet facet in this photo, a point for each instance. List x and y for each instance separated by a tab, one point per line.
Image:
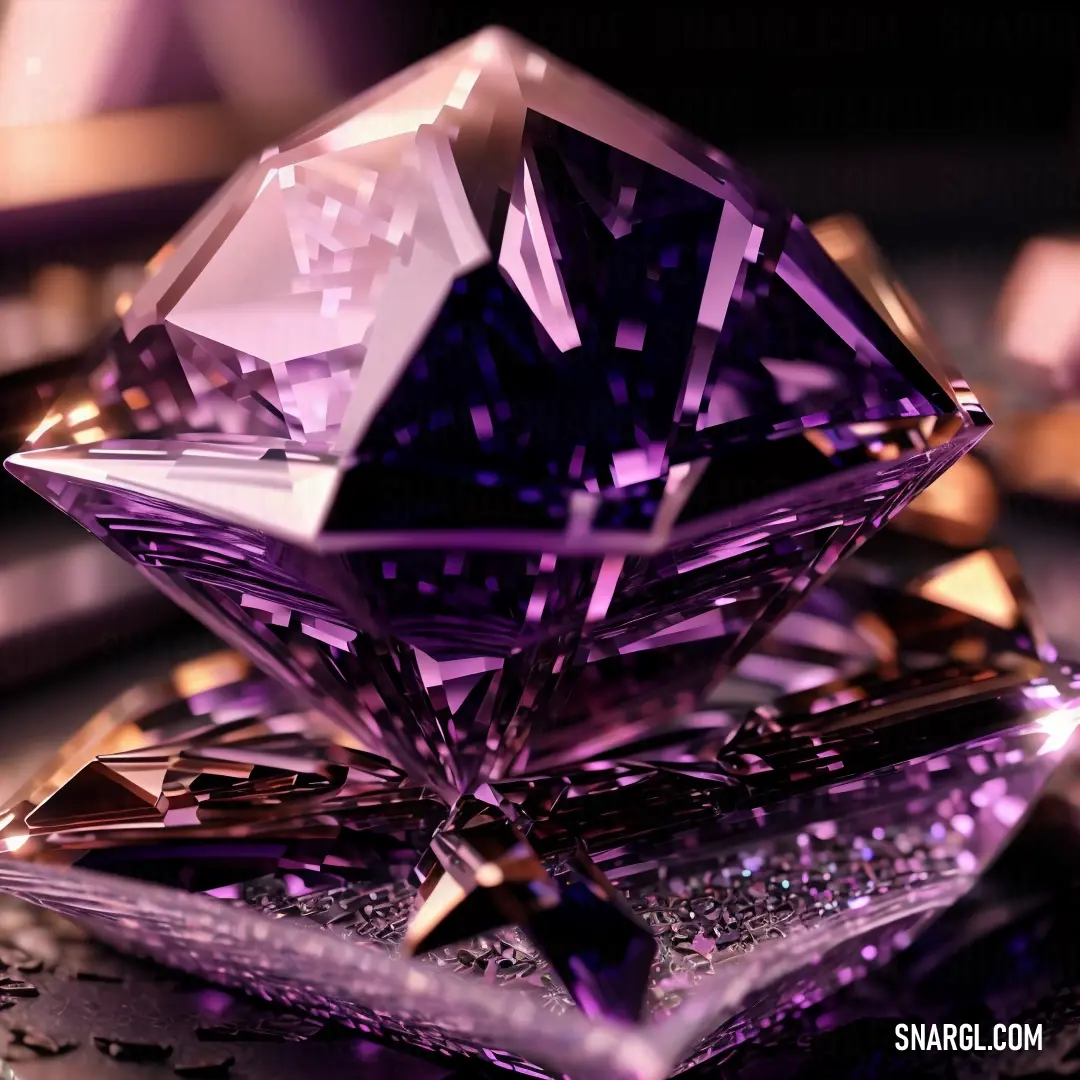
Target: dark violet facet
479	874
601	950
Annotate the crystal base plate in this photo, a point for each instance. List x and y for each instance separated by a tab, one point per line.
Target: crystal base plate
430	1009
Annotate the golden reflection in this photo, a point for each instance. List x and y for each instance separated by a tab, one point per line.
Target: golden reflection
116	728
983	584
47	424
89	435
135	397
208	672
959	509
83	412
442	897
1039	453
849	244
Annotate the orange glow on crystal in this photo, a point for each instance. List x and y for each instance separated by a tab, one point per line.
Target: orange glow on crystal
959	509
977	585
135	397
49	422
89	435
87	410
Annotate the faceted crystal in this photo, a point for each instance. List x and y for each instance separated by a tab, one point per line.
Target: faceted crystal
493	405
601	948
481	874
502	424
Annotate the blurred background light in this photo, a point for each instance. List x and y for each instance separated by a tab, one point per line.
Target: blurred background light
59	58
1039	310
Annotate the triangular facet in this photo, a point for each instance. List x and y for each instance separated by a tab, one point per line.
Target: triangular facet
96	794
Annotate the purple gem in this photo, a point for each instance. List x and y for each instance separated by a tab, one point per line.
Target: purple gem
481	873
602	951
494	408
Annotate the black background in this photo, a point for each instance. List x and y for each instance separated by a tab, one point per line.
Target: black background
956	124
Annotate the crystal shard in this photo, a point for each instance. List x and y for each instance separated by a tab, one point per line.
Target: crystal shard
481	874
602	950
492	402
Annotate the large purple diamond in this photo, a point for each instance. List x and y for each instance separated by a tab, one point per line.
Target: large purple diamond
493	400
